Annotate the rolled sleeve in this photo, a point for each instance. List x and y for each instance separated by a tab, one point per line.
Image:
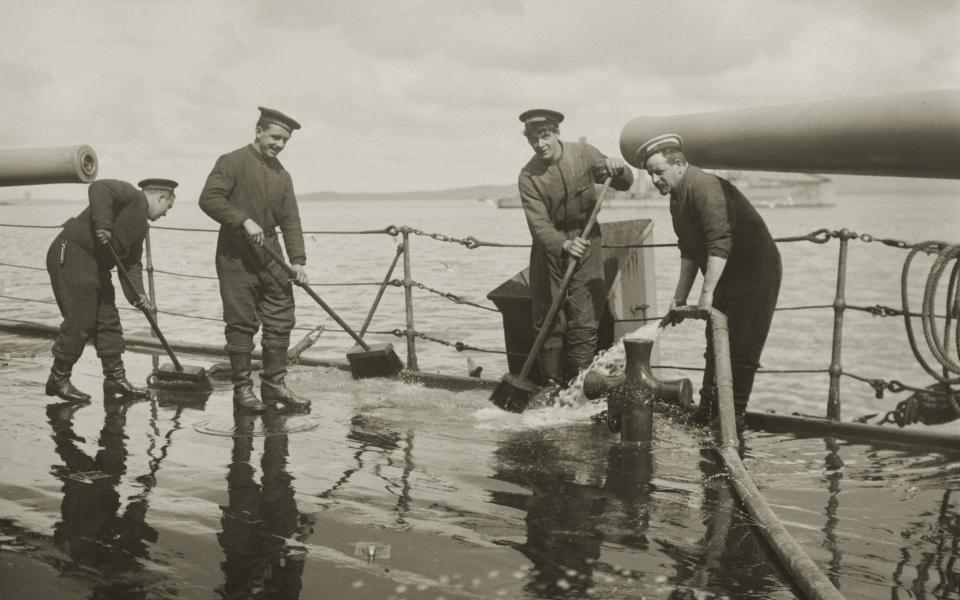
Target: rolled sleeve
711	208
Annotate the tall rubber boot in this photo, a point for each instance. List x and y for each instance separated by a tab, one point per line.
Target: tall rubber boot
115	380
273	389
707	411
58	384
243	397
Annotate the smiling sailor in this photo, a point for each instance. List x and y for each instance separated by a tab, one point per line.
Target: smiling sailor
250	194
558	194
721	235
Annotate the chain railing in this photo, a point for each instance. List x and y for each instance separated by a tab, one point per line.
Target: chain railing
411	334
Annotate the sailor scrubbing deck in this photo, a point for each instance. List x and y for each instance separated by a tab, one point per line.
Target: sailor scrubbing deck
557	192
250	193
721	235
79	266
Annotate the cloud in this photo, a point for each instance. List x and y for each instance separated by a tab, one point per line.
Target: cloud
424	94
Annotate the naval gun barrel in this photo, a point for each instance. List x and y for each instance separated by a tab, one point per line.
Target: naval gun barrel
33	166
908	135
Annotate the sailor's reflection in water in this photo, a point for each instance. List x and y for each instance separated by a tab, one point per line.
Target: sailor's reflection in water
93	531
262	528
733	560
568	517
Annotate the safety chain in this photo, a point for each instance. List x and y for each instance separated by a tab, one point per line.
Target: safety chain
820	236
894	243
458	345
880	386
448	295
469	242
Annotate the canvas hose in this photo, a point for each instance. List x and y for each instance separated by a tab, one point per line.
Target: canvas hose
939	402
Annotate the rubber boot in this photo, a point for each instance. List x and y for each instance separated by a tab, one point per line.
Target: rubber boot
273	389
115	383
707	410
58	384
243	397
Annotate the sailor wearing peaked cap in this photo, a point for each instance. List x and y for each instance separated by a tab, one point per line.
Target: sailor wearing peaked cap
275	117
657	144
250	195
536	116
156	183
558	193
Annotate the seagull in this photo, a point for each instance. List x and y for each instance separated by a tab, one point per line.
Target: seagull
448	266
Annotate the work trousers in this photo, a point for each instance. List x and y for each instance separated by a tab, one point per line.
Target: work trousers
748	300
252	297
571	342
87	301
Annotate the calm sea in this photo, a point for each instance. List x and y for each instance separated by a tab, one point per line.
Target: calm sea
872	347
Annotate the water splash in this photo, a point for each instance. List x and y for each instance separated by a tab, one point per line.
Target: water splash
570	405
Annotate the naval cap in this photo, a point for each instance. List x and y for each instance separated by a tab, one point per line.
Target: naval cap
278	118
657	144
156	183
540	115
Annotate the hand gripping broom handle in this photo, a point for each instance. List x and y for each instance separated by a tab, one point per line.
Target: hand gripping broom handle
293	275
562	290
146	312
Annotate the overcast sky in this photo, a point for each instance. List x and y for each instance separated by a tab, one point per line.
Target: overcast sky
412	95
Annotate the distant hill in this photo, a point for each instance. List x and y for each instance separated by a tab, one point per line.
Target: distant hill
843	184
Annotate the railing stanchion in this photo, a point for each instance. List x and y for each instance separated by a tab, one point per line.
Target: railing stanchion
839	304
151	290
408	302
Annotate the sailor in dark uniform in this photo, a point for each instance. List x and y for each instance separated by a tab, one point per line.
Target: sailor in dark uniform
250	193
557	192
721	235
79	267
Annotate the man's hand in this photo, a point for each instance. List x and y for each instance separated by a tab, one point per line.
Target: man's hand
672	317
300	273
103	236
610	167
253	231
143	303
706	301
576	247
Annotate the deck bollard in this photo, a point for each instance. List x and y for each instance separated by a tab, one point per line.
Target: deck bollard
630	397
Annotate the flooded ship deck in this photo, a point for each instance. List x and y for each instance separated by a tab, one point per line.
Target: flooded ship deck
389	489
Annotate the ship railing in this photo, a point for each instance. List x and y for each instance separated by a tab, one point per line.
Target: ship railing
404	235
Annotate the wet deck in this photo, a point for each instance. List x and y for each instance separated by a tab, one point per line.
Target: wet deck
178	497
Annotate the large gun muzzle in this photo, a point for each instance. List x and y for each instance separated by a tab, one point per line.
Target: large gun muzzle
33	166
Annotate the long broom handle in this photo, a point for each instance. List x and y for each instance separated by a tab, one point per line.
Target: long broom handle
561	292
153	322
293	274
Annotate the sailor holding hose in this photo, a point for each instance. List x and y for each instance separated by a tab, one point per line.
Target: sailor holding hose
250	193
558	194
721	235
79	267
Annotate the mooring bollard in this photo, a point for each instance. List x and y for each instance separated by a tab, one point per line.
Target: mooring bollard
630	397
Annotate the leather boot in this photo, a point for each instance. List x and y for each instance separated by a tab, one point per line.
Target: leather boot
273	389
58	384
243	396
115	379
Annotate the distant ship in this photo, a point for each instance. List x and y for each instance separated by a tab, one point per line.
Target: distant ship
764	190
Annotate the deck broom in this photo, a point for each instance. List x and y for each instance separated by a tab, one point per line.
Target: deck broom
166	376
